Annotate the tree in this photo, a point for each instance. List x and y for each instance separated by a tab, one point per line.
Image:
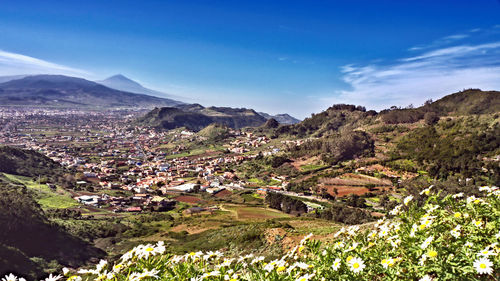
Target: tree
431	118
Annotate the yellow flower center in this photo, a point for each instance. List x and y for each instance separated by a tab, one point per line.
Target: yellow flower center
149	249
483	266
281	268
355	265
432	254
457	215
349	258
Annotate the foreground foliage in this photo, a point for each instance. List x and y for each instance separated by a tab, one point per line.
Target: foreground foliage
449	238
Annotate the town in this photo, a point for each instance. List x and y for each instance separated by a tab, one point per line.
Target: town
147	170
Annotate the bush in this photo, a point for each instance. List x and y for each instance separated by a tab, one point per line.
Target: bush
431	118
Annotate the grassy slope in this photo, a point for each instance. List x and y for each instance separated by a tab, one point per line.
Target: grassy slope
45	196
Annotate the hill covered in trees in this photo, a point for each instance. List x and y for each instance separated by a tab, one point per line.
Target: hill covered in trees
455	135
196	117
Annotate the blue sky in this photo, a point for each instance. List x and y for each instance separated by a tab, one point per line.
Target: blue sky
297	57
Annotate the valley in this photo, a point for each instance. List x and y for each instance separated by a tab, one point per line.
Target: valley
113	183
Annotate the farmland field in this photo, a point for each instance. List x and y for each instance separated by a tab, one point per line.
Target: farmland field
255	213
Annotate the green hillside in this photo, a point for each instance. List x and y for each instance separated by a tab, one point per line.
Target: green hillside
28	234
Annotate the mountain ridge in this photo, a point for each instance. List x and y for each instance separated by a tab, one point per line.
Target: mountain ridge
66	91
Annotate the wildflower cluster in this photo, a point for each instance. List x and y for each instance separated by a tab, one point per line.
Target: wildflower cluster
449	238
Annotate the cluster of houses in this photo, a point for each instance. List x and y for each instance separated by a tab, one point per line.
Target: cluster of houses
135	203
106	153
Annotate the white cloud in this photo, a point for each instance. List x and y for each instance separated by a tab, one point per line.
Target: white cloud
15	64
446	40
455	51
456	37
415	79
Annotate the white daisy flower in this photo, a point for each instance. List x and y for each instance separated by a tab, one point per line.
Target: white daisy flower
396	211
65	271
10	277
150	273
127	256
71	278
177	259
341	231
486	252
302	265
426	242
102	264
160	248
483	266
456	231
353	230
336	264
427	190
477	223
53	278
407	199
356	265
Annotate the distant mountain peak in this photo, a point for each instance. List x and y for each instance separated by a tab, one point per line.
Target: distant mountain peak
284	118
120	77
123	83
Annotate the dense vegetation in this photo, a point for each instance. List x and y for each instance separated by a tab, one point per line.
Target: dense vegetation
285	203
467	102
446	238
337	148
330	121
26	233
454	146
